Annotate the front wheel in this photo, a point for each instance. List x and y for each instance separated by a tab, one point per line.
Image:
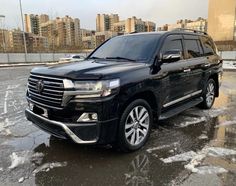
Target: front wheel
135	126
209	95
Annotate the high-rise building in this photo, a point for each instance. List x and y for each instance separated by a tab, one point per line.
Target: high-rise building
43	18
62	32
222	20
134	25
105	22
32	23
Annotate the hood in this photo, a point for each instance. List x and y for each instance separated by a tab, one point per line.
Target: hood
88	69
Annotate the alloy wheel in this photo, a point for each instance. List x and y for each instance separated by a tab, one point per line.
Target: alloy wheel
137	125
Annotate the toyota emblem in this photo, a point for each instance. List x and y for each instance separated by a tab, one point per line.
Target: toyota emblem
40	86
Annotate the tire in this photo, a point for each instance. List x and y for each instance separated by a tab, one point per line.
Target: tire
134	130
208	95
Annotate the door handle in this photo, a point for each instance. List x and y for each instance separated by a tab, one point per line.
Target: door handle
187	70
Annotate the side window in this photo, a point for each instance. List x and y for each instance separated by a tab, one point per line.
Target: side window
193	48
208	46
172	43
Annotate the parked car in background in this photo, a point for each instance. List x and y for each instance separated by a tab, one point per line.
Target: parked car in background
114	95
72	58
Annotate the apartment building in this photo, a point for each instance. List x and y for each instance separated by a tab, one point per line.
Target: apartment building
134	25
32	24
62	32
105	22
199	24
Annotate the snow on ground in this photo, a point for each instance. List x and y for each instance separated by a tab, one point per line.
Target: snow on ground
203	136
226	123
47	166
23	157
195	159
191	121
229	65
150	150
180	157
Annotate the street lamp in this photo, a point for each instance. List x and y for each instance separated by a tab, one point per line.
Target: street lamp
23	28
3	36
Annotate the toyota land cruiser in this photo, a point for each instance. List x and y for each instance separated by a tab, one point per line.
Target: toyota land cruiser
113	96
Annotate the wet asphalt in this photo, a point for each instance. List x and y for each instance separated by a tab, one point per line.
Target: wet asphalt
29	156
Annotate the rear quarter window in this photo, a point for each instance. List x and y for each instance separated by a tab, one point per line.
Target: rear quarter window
208	46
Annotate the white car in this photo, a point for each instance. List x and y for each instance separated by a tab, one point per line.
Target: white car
73	58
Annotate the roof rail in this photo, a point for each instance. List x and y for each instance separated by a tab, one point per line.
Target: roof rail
190	30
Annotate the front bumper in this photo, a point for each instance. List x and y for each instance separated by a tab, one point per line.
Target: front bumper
89	133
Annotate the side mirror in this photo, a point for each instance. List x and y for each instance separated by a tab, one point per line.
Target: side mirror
171	56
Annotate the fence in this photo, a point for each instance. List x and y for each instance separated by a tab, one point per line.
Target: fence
9	58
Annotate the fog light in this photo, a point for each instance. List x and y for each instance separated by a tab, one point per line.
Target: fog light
88	117
31	106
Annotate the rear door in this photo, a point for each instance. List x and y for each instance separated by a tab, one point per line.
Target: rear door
196	60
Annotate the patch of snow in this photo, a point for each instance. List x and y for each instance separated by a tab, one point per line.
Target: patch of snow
196	159
230	65
214	112
210	170
23	157
1	169
180	157
47	166
203	136
21	179
226	123
150	150
219	152
193	120
18	158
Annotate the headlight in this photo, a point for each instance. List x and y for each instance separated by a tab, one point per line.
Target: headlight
85	89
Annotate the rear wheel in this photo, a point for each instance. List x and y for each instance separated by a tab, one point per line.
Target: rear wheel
209	95
135	126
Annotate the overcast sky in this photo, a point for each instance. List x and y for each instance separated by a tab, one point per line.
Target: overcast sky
158	11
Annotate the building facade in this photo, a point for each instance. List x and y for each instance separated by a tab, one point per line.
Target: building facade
62	33
105	22
222	20
199	24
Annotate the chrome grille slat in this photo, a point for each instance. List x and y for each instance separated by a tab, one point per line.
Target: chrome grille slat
52	93
46	97
47	86
56	91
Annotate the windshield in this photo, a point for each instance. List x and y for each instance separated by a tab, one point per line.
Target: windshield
133	48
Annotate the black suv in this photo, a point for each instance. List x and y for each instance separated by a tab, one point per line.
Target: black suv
113	96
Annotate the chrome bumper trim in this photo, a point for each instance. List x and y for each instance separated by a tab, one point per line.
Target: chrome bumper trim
75	138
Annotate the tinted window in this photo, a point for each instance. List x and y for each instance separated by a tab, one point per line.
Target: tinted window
208	46
172	43
192	47
135	47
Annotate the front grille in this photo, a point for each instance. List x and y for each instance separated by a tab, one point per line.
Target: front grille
51	94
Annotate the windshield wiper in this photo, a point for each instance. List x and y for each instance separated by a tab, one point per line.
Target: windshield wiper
124	58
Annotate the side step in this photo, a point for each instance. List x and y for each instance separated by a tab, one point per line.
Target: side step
176	110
